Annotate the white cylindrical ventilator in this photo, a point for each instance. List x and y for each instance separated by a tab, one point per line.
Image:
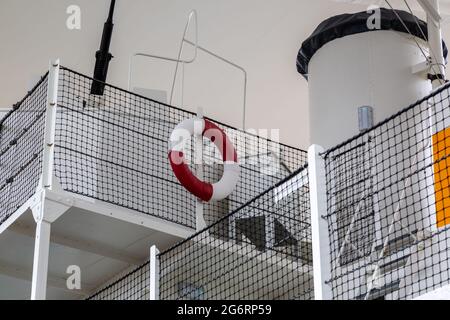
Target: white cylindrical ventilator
365	69
357	74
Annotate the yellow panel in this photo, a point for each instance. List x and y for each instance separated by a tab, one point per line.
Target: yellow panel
441	156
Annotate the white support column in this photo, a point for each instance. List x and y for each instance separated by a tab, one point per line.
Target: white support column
43	223
198	160
154	273
40	262
319	227
435	41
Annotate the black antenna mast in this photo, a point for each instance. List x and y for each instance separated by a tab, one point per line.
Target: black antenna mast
102	56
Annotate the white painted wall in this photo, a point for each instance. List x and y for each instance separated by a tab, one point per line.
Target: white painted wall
262	36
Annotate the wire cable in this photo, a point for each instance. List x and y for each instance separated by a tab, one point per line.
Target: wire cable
413	37
423	34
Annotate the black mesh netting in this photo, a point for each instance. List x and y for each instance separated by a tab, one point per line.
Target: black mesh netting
115	148
260	251
132	286
389	205
21	145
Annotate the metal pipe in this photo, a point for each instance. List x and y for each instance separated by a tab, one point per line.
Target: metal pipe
103	56
180	51
235	66
192	14
178	60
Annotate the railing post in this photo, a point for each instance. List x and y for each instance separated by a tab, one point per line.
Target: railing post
43	226
154	273
319	226
50	125
198	160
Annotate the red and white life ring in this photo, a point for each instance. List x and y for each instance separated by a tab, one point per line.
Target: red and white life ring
201	189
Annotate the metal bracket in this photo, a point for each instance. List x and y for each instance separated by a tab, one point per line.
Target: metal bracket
422	68
37	205
46	210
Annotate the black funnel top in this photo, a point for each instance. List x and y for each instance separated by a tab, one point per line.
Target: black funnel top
349	24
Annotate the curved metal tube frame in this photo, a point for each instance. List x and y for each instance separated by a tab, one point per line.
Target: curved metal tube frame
178	60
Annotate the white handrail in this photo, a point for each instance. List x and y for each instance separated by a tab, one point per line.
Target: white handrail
178	60
192	14
244	72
